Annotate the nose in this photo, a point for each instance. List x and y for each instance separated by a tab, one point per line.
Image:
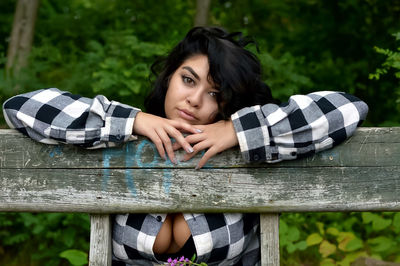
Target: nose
194	98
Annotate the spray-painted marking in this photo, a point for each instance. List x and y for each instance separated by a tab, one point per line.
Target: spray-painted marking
133	157
167	175
56	150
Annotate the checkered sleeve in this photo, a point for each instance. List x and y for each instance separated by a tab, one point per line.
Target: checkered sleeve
304	125
52	116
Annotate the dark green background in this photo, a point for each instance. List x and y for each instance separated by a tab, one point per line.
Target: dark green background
107	46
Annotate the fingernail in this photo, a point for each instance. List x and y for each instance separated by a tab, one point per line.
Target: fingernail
198	130
197	167
189	149
174	161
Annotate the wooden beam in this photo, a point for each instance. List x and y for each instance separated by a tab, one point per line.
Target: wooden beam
361	175
369	147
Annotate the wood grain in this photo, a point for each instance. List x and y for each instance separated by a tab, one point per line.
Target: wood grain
269	225
100	240
361	175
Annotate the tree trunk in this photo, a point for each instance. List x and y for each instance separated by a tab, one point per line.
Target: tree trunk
21	35
202	9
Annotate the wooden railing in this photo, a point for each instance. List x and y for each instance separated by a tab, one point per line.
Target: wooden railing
363	174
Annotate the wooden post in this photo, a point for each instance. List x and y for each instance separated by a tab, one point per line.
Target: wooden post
269	223
100	240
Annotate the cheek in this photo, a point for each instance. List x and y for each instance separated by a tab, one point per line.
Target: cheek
211	112
168	104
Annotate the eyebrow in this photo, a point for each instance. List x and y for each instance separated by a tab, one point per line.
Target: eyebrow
191	71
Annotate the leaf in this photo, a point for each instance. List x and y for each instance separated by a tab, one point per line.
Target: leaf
314	239
75	257
283	227
351	257
68	237
326	248
293	233
327	262
397	35
290	248
354	244
396	222
320	227
332	231
367	217
379	223
380	243
302	245
344	238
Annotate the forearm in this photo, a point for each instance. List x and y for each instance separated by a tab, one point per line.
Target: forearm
305	125
52	116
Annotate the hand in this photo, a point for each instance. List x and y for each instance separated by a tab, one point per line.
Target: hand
215	137
159	130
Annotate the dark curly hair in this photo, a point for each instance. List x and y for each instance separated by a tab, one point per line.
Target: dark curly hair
235	70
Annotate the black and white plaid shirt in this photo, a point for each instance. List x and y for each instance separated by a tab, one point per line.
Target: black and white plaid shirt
270	133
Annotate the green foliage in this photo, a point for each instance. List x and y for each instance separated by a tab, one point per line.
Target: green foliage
392	61
106	47
123	65
283	73
338	238
75	257
43	236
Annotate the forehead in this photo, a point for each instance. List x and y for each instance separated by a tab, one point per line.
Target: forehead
199	64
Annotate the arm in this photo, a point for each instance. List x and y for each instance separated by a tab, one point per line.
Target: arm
271	133
305	125
52	116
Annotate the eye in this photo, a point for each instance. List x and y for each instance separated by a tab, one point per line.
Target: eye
213	94
188	80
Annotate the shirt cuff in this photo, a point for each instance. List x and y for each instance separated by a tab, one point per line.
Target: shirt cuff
118	123
252	133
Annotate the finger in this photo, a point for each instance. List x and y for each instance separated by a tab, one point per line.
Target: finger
176	146
197	148
159	145
179	139
166	141
186	127
195	138
210	153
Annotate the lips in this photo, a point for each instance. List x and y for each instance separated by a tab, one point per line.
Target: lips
185	114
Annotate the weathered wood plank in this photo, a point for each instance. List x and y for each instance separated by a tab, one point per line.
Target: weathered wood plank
368	147
100	240
269	227
212	190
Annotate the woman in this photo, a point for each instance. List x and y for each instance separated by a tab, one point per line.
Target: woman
204	87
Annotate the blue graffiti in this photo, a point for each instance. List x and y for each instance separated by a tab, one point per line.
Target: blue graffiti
106	170
56	150
167	175
134	157
138	155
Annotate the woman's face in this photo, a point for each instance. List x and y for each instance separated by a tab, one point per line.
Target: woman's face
191	97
